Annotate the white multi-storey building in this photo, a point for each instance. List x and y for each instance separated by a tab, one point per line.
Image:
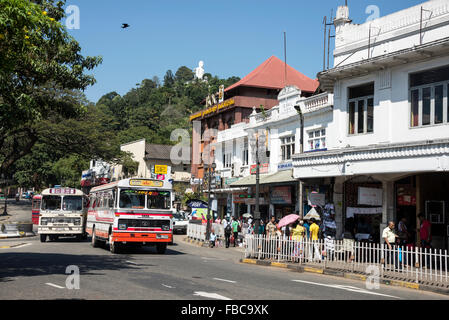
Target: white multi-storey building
387	143
279	131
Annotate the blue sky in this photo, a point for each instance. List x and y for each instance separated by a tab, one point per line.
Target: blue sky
232	37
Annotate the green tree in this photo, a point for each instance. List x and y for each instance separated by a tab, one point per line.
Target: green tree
184	75
40	64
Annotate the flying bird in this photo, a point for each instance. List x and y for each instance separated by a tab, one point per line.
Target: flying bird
125	25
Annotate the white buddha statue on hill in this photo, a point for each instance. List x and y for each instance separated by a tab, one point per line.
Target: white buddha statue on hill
199	71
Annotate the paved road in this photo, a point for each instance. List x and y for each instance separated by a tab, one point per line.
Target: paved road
34	270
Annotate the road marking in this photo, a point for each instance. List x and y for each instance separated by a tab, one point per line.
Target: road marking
207	258
210	295
131	262
54	285
23	245
218	279
347	288
167	286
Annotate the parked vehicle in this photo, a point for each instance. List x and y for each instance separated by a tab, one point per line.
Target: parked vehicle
180	223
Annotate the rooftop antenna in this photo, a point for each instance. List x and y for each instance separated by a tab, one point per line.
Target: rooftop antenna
325	31
329	39
285	58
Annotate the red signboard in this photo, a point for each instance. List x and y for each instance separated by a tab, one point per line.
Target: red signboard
263	168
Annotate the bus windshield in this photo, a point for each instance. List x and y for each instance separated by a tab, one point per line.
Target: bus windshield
132	199
51	203
144	199
72	203
158	200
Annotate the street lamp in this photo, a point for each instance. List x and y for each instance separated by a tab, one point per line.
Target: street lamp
210	169
257	210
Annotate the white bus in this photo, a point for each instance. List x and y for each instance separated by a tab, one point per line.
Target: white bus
62	213
131	211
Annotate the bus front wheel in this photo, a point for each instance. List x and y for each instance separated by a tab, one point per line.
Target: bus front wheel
161	247
43	237
113	246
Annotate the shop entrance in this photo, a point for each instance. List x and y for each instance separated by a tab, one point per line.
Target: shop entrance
427	194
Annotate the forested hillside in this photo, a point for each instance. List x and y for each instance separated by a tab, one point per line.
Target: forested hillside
151	110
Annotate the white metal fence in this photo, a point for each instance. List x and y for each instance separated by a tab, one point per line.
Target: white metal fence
198	231
419	265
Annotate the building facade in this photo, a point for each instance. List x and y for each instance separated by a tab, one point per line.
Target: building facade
387	145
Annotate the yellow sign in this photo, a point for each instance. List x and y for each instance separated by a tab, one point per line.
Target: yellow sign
160	169
213	109
146	183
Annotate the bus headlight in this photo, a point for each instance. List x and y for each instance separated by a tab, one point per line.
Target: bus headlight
44	221
165	227
77	222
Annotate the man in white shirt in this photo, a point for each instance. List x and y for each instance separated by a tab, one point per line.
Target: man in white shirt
388	235
389	239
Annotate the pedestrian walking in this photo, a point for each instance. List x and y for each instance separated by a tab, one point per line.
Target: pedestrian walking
271	230
313	236
235	229
389	237
298	234
261	227
228	232
425	234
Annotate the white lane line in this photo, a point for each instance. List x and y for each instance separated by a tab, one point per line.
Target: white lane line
168	286
131	262
218	279
210	295
23	245
54	285
207	258
347	288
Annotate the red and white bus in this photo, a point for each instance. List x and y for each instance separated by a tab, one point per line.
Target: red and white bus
131	211
36	208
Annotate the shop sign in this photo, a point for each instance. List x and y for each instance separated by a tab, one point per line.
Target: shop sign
406	200
285	166
252	201
213	109
228	181
317	199
241	197
263	168
145	183
160	169
370	196
281	195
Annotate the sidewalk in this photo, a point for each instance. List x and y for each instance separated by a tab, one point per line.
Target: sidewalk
18	213
231	252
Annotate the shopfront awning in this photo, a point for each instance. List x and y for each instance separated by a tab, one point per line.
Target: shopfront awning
273	178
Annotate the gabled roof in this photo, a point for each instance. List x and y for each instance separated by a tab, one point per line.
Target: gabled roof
271	74
157	151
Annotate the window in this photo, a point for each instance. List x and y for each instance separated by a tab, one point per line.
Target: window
131	199
245	154
317	139
158	199
72	203
51	203
361	109
429	103
227	159
287	147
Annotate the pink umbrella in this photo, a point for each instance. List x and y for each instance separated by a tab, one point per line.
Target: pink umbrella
288	219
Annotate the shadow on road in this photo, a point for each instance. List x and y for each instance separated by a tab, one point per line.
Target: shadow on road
29	264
